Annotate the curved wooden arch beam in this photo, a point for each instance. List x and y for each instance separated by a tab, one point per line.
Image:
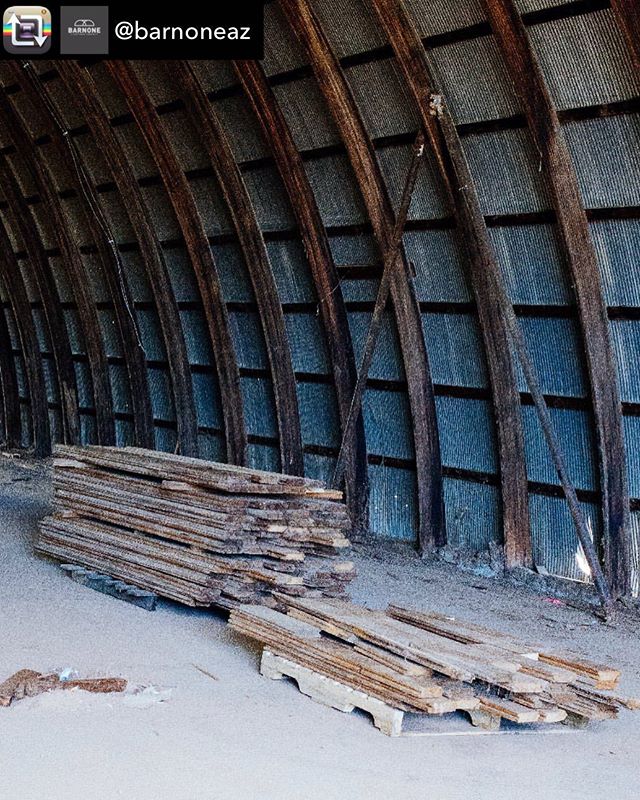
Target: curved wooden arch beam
80	82
342	106
199	249
101	235
323	270
58	335
483	272
10	406
247	229
32	159
11	277
581	259
628	16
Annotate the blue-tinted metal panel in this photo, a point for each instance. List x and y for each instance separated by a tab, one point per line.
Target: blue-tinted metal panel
207	400
246	332
84	384
318	414
555	349
617	245
259	406
506	169
554	540
150	334
387	358
161	399
455	349
626	344
110	333
428	200
181	274
269	199
335	190
383	98
590	45
306	340
260	456
234	278
473	514
607	177
393	502
241	127
211	447
319	467
196	336
125	433
291	272
532	264
119	380
88	434
574	430
387	421
466	431
306	114
438	258
166	439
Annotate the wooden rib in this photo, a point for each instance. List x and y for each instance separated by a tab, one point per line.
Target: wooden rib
12	279
32	160
346	115
23	222
80	82
628	15
484	272
581	259
100	233
256	258
10	405
323	271
200	253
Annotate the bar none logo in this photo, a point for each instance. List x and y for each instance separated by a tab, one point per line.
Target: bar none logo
84	27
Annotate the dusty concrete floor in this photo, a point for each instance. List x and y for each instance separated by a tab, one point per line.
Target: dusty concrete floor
239	736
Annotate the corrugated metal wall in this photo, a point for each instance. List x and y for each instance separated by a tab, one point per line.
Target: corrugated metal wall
591	77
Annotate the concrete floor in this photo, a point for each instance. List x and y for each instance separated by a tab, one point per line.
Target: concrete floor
239	736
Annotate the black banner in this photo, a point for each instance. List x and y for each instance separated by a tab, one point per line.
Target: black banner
190	31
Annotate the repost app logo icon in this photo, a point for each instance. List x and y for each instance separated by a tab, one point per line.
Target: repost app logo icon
26	30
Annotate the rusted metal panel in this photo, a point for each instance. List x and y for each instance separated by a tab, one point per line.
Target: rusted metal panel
323	270
98	230
80	82
11	277
483	271
58	334
191	224
349	122
580	257
32	160
257	261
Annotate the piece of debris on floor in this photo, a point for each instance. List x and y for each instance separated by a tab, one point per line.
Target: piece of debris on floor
400	660
29	683
197	532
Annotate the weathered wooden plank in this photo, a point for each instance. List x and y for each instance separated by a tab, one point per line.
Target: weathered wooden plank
334	87
11	277
482	269
200	253
323	270
256	258
80	82
628	15
581	259
32	160
101	234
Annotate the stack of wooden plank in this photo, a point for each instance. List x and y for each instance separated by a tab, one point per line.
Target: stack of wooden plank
425	662
195	531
